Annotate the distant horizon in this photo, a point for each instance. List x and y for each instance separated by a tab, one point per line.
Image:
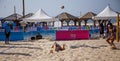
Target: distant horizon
53	7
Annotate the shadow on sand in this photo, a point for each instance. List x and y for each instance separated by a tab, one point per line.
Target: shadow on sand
93	47
20	44
24	54
116	49
21	47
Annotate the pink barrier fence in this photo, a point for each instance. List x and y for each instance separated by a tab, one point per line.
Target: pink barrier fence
72	34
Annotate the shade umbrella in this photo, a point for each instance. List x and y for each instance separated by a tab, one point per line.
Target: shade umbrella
12	17
87	16
64	16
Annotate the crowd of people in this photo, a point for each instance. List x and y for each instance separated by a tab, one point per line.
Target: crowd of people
109	35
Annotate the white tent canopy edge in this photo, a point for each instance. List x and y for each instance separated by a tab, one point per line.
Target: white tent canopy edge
40	16
106	14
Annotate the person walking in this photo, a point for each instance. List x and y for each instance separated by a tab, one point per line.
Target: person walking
109	24
7	33
111	37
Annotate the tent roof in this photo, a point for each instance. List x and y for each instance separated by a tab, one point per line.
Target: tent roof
26	16
39	16
107	13
88	15
66	16
14	16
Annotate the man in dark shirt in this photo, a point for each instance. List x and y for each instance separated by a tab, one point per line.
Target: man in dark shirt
102	29
7	33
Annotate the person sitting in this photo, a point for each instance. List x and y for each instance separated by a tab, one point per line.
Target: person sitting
57	47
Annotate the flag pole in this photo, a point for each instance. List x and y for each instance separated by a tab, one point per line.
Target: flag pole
23	3
15	12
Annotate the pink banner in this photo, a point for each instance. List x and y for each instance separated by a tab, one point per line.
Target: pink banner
72	34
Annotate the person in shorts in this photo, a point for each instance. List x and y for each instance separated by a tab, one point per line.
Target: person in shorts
7	33
111	37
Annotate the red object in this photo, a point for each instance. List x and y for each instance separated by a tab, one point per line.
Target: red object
78	28
72	34
46	28
16	28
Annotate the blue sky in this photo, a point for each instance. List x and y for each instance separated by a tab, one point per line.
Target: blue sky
52	7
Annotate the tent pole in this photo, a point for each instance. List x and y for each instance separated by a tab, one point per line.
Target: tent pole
117	28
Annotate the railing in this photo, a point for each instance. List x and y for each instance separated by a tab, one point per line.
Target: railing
18	34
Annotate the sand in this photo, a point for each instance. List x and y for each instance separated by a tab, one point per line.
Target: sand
76	50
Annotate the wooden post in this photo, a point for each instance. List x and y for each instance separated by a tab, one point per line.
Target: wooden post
61	23
117	28
68	23
75	23
79	23
23	8
85	22
94	23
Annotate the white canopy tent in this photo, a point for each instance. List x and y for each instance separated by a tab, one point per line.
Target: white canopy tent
39	16
106	14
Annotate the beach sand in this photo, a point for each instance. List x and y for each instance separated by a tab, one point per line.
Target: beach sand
76	50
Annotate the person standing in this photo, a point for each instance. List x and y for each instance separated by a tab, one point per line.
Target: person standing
101	29
109	24
7	33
